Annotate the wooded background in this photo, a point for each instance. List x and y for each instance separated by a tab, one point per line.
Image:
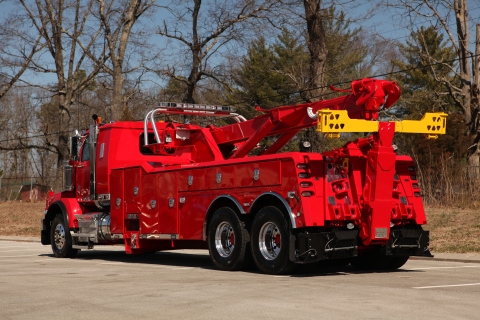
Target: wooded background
63	60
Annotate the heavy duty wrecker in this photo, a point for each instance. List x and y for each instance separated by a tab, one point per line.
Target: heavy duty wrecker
162	185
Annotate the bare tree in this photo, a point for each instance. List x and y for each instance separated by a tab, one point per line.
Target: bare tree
71	41
203	31
464	91
118	19
20	142
15	55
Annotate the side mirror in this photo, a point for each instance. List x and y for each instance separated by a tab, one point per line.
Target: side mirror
74	142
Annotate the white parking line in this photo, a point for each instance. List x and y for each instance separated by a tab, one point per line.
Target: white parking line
456	267
449	285
25	246
19	256
20	250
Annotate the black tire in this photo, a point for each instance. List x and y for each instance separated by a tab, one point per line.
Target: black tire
270	242
60	239
397	262
227	241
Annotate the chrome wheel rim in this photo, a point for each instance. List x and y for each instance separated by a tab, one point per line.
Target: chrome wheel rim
59	236
224	239
270	241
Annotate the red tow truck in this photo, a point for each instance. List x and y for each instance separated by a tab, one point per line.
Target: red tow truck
162	185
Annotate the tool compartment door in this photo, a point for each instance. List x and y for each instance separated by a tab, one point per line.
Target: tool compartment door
168	202
149	221
117	203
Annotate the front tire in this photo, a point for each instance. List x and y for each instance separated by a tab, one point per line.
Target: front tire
61	239
227	240
270	242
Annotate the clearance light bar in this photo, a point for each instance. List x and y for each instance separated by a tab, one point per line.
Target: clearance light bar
195	107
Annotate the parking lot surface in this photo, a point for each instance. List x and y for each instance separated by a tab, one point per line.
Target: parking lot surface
105	283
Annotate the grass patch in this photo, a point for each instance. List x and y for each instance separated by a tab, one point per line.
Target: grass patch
454	230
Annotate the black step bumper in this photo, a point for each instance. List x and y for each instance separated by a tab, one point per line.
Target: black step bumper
309	246
313	246
408	242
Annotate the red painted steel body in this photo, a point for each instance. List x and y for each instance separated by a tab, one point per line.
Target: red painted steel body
163	195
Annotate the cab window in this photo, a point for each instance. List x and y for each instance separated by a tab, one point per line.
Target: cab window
86	150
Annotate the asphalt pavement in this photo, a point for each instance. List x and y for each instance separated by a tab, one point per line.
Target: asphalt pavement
106	283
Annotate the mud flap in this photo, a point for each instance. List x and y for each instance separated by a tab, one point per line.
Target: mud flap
409	242
45	233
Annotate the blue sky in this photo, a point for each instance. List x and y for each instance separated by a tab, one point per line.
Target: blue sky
385	22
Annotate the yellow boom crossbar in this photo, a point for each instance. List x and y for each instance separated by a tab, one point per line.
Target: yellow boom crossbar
334	122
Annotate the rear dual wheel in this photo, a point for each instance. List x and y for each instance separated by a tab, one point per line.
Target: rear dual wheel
270	242
227	241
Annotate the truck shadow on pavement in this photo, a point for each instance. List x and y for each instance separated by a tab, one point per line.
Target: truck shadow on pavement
165	258
202	260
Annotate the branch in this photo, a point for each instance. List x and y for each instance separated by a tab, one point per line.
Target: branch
171	36
444	24
210	75
22	70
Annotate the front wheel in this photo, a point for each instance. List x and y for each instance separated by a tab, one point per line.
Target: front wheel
270	242
60	239
227	241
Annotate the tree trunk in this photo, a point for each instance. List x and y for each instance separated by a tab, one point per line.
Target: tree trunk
117	104
474	157
193	78
317	47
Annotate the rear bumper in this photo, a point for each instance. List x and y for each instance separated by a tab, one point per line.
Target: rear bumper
309	246
314	246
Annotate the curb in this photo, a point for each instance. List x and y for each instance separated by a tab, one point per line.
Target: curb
446	259
20	239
